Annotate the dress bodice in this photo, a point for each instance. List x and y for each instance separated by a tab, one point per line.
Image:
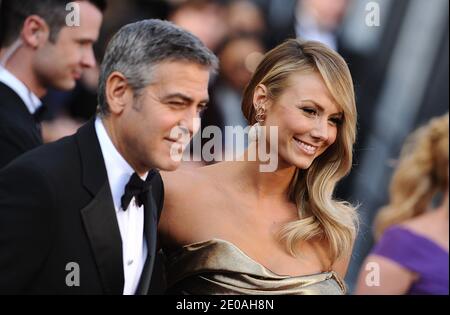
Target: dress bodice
217	266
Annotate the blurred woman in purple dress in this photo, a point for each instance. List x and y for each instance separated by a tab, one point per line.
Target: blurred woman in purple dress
411	256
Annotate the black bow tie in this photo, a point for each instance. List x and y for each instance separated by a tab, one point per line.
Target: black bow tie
138	189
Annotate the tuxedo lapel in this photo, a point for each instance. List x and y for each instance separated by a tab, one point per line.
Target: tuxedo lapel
150	232
99	215
103	232
92	163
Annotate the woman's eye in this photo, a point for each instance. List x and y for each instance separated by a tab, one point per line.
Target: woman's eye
336	121
310	111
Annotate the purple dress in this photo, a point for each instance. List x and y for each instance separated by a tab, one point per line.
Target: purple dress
418	254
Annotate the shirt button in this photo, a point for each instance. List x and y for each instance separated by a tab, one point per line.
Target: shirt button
130	262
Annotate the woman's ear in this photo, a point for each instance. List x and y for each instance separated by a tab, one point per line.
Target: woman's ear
261	97
35	31
118	92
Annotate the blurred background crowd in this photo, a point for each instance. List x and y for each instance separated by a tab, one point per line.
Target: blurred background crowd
398	56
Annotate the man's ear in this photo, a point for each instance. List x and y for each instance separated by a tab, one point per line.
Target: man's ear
261	97
35	31
118	92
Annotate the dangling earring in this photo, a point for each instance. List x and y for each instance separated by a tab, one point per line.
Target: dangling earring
255	131
260	114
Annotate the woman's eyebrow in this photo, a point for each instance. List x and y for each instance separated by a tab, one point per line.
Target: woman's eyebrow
321	108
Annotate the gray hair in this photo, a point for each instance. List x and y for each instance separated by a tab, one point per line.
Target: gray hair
138	47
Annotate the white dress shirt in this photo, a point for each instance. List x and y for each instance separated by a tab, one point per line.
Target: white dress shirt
131	221
29	98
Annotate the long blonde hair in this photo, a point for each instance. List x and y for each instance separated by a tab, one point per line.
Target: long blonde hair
421	173
321	217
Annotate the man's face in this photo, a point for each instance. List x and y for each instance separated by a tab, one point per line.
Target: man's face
177	94
60	64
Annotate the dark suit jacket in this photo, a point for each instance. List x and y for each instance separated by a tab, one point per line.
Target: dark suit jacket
18	128
56	208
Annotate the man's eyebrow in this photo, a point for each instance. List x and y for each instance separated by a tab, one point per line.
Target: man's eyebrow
184	97
320	107
86	39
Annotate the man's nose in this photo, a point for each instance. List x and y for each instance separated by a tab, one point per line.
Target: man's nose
88	58
193	121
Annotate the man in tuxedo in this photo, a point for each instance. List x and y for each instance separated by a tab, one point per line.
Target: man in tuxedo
40	50
79	216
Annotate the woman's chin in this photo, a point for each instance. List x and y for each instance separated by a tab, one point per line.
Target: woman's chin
302	162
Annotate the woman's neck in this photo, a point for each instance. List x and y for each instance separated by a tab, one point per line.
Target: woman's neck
263	184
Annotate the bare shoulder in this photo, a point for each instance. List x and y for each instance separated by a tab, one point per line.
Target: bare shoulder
182	182
340	266
178	180
188	202
380	275
181	187
432	225
422	224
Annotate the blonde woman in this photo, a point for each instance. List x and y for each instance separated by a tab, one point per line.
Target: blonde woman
411	256
230	228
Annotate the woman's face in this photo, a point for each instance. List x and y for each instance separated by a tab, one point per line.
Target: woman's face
307	119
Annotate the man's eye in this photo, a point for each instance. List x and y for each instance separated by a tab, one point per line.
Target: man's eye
202	108
85	43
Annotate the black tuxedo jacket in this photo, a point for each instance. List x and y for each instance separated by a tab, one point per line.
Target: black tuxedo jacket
18	129
57	212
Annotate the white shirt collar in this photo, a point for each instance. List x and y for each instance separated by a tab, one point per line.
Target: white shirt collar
29	98
118	169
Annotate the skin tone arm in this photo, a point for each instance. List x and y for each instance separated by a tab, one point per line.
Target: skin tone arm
380	275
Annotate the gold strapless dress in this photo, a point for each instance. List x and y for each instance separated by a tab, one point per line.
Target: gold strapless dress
219	267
